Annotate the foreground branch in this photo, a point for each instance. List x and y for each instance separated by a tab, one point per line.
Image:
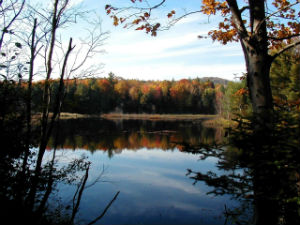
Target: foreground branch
273	57
105	210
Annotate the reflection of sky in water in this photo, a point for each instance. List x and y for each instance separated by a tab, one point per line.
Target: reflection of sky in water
153	185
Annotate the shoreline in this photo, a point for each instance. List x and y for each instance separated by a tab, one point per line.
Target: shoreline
206	119
134	116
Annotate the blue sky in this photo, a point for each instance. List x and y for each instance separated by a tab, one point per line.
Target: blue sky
174	54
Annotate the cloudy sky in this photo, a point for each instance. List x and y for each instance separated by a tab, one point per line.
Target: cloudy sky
174	54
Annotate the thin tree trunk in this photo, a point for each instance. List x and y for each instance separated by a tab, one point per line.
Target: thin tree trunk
29	91
45	107
46	128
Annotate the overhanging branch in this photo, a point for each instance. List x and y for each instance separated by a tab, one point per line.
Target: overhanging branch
176	20
285	49
237	17
274	13
284	38
142	8
244	8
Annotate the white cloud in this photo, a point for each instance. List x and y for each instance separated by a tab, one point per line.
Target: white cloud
150	46
176	71
154	52
176	55
159	180
195	18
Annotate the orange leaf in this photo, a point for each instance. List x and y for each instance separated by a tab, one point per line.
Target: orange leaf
136	21
140	28
116	21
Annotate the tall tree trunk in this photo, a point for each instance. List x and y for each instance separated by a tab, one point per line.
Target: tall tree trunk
46	128
258	65
258	62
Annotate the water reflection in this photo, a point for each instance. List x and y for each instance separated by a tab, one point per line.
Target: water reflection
148	167
153	188
135	172
114	137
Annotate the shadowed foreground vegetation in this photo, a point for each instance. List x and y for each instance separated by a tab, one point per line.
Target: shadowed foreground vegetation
260	155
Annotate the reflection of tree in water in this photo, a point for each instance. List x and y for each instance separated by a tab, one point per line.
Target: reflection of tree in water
16	204
262	171
113	137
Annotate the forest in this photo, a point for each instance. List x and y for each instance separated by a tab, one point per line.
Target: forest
96	96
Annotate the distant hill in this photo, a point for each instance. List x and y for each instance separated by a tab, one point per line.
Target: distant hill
215	80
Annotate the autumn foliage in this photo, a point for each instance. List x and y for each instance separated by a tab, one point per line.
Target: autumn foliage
94	96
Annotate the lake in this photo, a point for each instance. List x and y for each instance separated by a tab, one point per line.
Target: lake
149	164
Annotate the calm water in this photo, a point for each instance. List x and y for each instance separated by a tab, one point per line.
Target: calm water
147	163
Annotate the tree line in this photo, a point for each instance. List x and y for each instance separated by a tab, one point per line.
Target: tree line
114	94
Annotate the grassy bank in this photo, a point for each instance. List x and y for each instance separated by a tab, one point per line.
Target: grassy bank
206	120
64	116
218	121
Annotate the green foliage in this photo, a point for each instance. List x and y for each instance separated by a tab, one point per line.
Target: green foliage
285	79
236	99
208	99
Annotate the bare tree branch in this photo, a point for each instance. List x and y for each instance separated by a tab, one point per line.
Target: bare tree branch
285	49
93	42
144	8
105	210
6	27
